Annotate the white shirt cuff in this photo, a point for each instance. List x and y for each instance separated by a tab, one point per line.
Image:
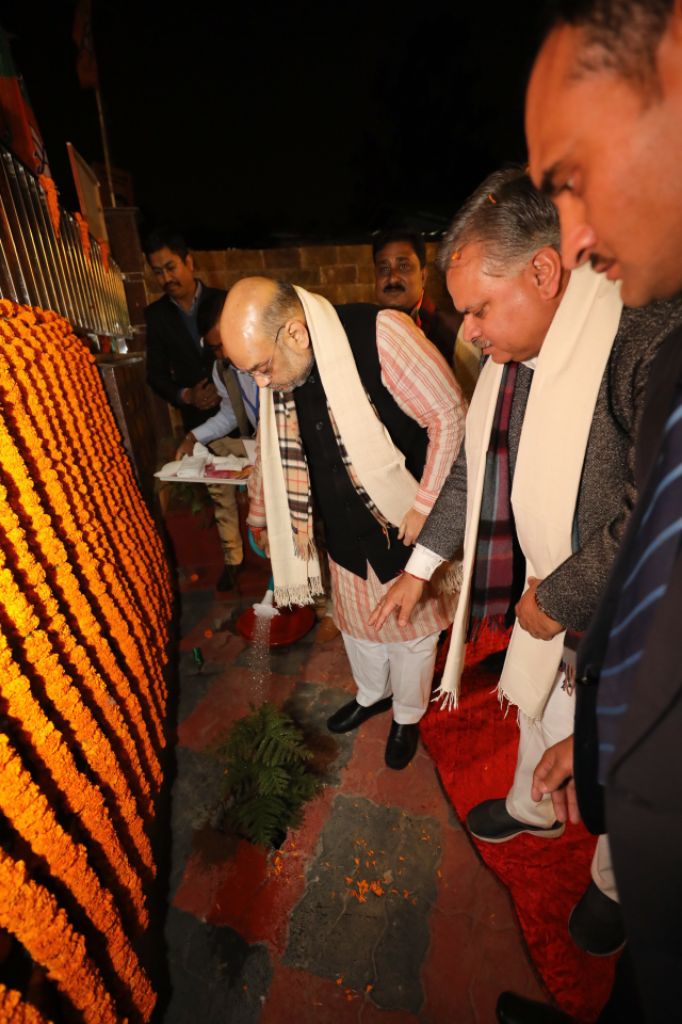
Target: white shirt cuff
423	562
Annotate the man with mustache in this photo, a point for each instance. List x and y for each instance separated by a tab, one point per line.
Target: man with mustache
399	283
360	420
180	366
603	116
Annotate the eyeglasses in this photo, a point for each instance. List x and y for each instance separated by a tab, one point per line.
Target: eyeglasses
266	371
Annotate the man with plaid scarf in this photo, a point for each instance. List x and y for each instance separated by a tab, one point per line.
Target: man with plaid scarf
547	468
360	422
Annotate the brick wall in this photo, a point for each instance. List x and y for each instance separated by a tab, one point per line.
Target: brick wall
342	273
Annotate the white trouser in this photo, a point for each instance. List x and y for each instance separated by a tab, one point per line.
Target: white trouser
536	737
403	669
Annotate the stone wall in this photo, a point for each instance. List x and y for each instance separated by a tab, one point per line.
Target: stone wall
342	273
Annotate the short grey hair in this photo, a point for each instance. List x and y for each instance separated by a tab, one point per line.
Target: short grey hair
621	36
508	217
284	304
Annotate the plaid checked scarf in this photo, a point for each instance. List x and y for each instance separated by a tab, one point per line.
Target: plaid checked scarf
297	478
295	468
493	569
549	465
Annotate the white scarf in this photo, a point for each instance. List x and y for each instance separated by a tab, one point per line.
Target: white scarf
377	463
556	427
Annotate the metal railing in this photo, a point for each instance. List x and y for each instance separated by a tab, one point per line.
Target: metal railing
39	268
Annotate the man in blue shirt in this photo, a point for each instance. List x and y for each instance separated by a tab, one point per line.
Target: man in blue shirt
236	417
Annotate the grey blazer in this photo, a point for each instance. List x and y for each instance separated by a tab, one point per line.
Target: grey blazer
607	489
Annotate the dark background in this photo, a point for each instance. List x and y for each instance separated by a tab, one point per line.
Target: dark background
248	124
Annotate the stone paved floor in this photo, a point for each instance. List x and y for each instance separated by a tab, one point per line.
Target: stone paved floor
377	909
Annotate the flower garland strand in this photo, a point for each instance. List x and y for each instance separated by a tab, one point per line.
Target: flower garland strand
23	803
55	560
33	451
59	688
30	913
80	798
14	1011
85	606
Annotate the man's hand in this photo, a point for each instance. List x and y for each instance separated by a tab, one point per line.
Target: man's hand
401	598
411	527
532	618
260	535
554	774
187	446
203	395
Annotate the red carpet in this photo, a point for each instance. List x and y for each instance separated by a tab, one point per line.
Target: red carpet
474	749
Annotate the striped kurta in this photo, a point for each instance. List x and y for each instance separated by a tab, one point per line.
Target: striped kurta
422	385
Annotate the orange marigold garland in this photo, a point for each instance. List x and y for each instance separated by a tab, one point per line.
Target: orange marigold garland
29	912
52	199
85	598
80	797
104	252
84	232
14	1010
22	801
46	598
56	560
87	457
29	427
40	649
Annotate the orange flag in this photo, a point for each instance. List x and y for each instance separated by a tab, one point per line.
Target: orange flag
18	127
86	61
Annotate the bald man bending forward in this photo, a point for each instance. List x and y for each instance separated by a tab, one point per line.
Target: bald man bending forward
285	338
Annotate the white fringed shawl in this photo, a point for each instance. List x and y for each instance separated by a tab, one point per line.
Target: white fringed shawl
547	475
378	464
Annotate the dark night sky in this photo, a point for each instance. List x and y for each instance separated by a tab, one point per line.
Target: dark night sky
253	121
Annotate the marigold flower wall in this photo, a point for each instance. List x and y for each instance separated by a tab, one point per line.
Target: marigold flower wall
85	603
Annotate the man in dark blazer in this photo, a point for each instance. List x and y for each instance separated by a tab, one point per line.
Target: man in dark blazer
484	279
400	274
179	367
604	110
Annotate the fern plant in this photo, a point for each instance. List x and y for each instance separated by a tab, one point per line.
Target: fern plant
267	775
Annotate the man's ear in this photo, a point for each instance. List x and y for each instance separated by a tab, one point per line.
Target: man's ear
424	275
189	261
296	335
546	271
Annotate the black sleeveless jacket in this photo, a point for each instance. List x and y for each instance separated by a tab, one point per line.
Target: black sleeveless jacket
353	536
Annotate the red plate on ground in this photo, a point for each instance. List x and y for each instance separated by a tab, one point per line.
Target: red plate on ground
286	628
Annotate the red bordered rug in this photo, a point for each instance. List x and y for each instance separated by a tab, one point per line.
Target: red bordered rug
474	749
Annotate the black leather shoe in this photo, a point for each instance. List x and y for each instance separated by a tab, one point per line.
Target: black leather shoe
494	663
512	1009
352	714
401	745
491	822
596	923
